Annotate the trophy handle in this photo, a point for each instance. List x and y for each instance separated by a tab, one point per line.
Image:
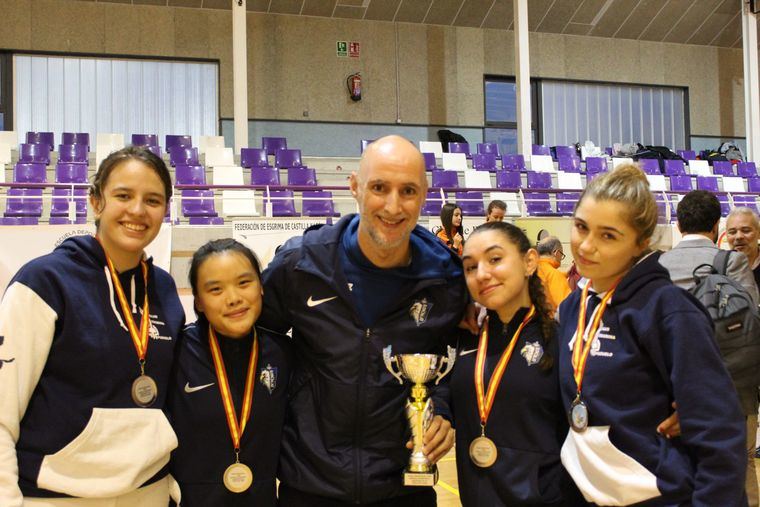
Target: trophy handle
389	360
449	360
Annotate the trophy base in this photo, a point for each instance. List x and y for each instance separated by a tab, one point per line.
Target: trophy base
421	478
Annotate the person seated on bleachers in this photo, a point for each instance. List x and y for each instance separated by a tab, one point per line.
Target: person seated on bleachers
452	232
554	281
496	211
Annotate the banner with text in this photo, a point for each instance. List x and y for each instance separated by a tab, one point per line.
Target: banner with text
264	236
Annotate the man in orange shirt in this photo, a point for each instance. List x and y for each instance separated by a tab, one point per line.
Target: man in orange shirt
555	282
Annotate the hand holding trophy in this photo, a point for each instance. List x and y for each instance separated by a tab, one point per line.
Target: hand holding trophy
419	369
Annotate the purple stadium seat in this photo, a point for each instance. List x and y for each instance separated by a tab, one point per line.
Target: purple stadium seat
23	202
73	153
445	179
674	168
608	150
36	153
433	204
680	183
538	203
59	208
181	155
287	158
273	144
365	143
746	169
596	165
265	176
66	172
749	201
753	184
687	154
429	161
253	157
317	203
190	174
709	183
46	138
508	179
569	163
725	206
513	162
198	207
566	202
460	148
144	140
302	176
488	148
539	181
565	151
540	149
484	162
649	166
471	203
82	138
183	141
156	150
282	203
723	168
25	172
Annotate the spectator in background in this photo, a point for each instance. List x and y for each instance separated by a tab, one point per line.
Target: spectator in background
496	211
742	231
452	232
698	219
554	281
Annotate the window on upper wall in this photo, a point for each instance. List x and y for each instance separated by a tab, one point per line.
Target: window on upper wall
608	113
501	112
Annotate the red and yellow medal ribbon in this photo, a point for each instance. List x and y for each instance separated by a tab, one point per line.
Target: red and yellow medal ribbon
139	337
581	349
236	428
485	402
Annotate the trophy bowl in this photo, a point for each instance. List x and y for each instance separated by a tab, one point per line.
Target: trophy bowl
419	369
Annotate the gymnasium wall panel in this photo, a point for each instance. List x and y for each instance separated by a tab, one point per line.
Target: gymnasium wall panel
69	94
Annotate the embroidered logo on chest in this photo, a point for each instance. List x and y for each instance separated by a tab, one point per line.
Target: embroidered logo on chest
532	352
420	310
268	377
596	345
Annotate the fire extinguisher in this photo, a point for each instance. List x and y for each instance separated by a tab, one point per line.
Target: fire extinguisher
354	83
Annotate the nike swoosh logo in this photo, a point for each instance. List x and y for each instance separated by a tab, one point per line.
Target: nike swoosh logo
311	303
465	352
189	389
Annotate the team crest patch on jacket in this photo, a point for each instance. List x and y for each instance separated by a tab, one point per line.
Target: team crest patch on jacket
532	352
420	310
268	377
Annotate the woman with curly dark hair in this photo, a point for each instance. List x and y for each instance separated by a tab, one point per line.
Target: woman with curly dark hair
505	391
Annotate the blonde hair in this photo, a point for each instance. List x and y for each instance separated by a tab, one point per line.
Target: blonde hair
628	185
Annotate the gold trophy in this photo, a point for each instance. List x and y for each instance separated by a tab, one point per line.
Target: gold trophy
419	369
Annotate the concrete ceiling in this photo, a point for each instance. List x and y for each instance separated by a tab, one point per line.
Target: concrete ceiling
702	22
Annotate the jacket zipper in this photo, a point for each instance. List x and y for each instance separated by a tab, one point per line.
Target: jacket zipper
359	427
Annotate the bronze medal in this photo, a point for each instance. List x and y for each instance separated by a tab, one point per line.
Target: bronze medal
483	452
144	391
238	477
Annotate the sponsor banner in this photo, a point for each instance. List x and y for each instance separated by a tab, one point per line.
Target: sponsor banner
264	236
23	243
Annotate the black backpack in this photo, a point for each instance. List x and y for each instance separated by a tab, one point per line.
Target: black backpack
736	320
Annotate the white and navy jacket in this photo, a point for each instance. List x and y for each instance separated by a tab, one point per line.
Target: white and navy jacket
345	426
527	422
655	346
67	418
197	413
